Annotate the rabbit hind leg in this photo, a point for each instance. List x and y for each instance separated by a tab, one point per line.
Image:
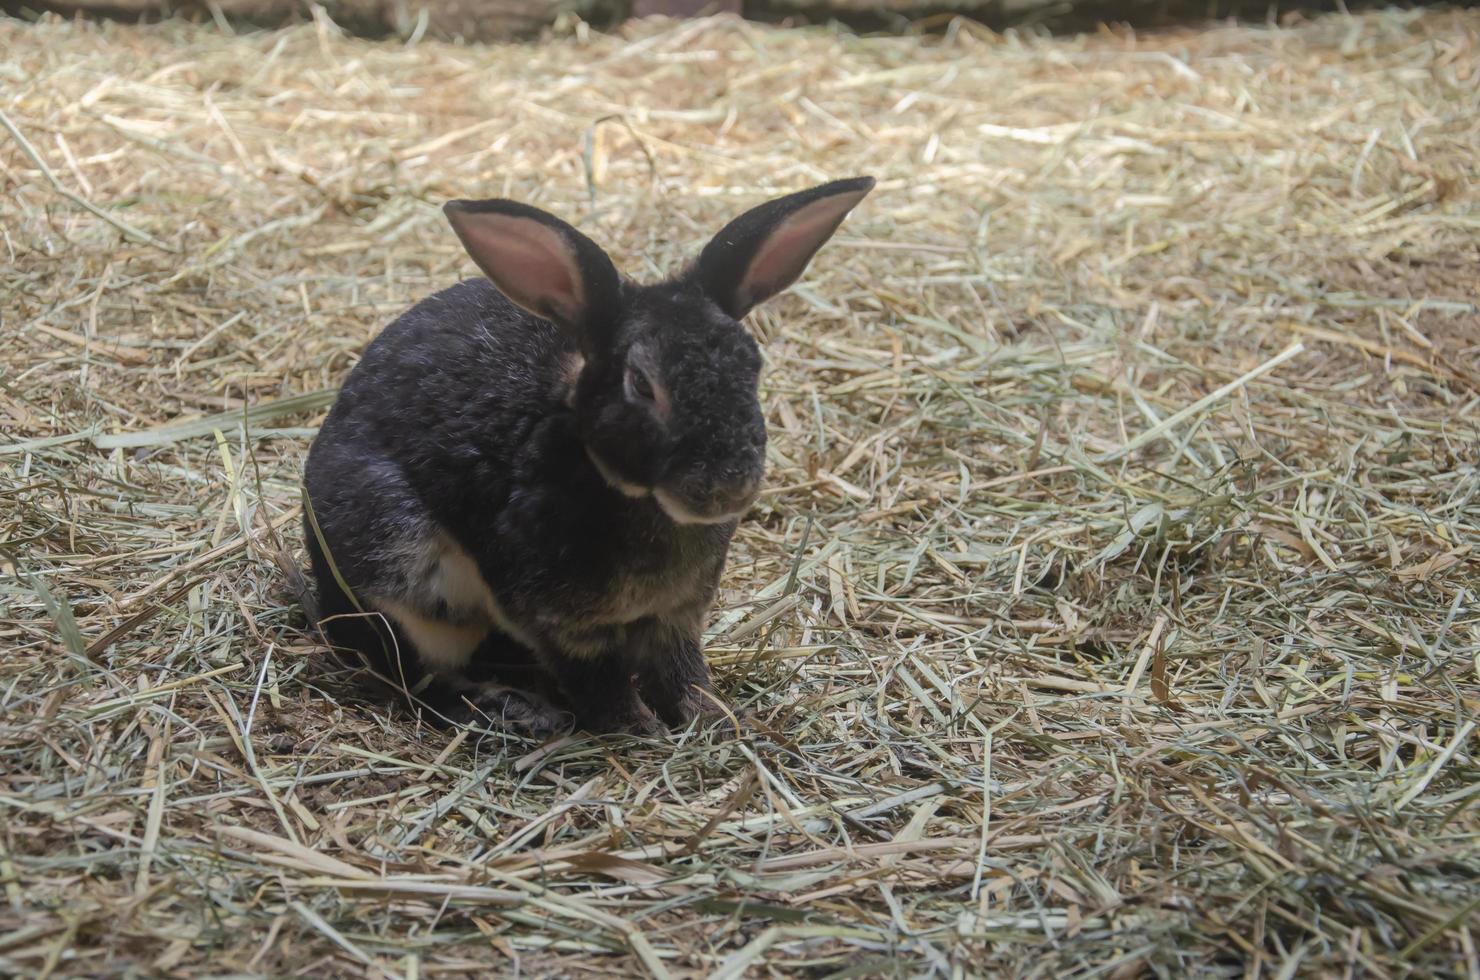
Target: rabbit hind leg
446	606
391	583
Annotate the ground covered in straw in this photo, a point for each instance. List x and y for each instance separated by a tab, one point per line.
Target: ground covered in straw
1112	609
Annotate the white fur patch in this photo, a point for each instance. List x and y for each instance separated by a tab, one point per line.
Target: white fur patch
615	482
569	376
440	645
680	514
457	580
443	573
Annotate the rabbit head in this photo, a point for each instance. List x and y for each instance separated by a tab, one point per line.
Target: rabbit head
666	395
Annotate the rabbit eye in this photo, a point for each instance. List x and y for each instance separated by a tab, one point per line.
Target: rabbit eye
638	383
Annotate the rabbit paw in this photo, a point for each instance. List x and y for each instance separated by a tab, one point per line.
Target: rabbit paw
703	704
506	709
631	719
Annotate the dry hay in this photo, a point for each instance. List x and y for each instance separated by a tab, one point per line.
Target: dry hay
1092	626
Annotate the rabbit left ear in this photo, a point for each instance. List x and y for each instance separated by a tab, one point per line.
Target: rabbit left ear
539	262
767	248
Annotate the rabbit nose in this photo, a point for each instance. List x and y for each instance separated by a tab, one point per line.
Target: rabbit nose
715	496
735	497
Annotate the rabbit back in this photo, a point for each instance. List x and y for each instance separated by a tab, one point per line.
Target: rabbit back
423	438
453	384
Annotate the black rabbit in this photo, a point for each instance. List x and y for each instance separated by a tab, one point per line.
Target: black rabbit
547	468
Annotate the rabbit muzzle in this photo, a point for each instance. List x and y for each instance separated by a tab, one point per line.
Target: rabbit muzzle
711	500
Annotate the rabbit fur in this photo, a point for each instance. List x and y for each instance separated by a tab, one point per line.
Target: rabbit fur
537	474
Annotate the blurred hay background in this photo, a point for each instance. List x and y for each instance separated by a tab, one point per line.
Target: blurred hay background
499	20
1112	609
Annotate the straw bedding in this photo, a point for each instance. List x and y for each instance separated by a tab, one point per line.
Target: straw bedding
1112	609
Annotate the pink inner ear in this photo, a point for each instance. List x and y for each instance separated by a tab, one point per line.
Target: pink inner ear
780	261
529	262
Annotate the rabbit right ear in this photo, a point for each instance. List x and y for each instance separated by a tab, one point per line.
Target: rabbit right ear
767	248
539	262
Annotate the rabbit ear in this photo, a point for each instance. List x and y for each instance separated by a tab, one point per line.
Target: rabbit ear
766	249
539	262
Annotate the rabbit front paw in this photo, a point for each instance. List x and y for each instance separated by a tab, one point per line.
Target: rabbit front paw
505	709
630	717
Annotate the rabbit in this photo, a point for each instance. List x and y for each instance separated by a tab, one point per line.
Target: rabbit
541	470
